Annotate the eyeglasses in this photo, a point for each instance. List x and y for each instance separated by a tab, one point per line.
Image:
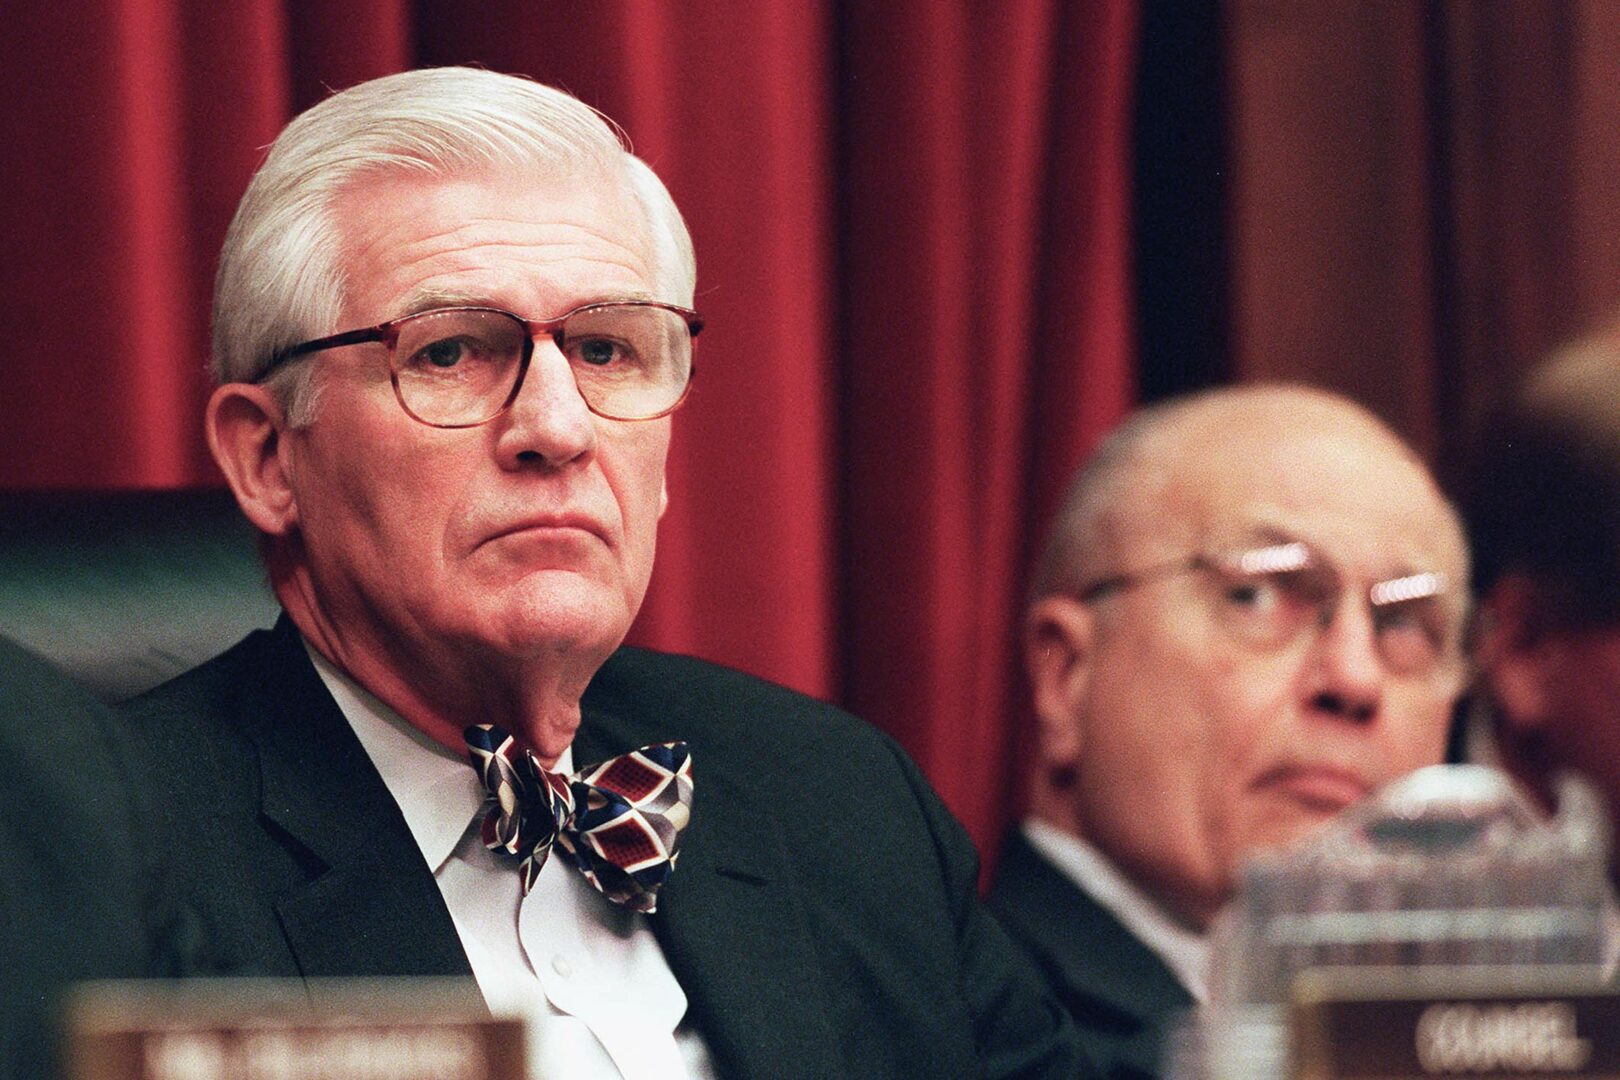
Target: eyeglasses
457	367
1267	596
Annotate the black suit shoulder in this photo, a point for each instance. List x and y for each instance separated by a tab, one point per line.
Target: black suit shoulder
82	890
275	809
211	689
189	720
1120	994
849	799
76	807
741	716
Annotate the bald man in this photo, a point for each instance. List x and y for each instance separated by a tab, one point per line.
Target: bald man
1249	616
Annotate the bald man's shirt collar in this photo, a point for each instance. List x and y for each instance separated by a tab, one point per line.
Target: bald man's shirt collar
590	976
1185	952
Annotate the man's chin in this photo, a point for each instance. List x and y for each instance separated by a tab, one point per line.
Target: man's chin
563	616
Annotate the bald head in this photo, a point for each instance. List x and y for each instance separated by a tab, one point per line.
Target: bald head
1217	663
1170	450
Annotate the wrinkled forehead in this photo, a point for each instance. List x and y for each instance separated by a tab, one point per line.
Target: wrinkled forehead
405	224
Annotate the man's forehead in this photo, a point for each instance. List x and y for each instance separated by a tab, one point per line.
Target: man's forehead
462	197
1358	496
426	240
1387	548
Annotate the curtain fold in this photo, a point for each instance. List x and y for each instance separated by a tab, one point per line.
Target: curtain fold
912	226
986	319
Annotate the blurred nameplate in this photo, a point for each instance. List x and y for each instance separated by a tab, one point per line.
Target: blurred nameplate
231	1029
1414	1023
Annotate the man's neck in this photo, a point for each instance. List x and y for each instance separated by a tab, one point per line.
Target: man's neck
441	692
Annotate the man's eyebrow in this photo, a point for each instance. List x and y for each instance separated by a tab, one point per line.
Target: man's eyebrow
428	299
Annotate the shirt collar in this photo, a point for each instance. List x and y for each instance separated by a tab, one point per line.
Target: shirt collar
438	792
1184	951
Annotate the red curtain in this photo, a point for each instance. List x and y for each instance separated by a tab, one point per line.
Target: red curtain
912	231
1424	198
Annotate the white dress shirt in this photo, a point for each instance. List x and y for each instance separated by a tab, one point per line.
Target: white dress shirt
588	976
1184	951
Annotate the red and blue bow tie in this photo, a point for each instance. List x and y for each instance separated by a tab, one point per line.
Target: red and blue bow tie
618	822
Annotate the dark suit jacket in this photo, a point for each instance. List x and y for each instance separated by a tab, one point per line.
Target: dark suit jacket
822	919
1118	991
81	895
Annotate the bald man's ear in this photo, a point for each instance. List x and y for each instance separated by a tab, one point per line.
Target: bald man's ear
1517	656
245	425
1058	636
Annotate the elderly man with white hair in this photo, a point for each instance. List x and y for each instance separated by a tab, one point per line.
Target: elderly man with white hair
453	319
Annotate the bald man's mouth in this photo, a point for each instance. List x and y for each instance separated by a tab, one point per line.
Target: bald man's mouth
1321	787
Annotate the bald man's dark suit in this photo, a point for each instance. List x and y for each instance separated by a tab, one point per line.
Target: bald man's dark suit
1118	991
821	921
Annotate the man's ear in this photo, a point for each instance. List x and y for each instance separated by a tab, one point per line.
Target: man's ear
245	425
1517	656
1058	638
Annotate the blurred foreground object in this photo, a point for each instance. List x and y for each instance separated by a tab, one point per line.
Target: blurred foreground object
225	1029
1446	886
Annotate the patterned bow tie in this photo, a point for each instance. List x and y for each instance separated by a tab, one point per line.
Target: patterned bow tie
618	822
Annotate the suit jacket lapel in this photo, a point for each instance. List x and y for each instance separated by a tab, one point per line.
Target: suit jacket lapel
730	922
371	907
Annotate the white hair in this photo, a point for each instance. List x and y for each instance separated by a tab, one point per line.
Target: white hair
280	281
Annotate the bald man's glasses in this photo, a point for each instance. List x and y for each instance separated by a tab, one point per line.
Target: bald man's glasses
1268	596
457	367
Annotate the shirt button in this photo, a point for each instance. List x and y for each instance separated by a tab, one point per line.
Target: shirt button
561	966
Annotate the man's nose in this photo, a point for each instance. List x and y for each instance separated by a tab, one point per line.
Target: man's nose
548	420
1346	673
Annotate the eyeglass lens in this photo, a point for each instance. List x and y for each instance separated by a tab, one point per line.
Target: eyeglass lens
460	366
1269	595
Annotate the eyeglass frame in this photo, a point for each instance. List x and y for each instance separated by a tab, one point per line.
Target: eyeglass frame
387	334
1327	611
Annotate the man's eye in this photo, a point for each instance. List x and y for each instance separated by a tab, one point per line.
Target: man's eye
1405	619
441	354
598	352
1256	593
1395	618
1411	636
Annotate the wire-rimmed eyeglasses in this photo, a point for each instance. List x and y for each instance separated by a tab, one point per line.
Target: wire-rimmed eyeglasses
457	367
1266	596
